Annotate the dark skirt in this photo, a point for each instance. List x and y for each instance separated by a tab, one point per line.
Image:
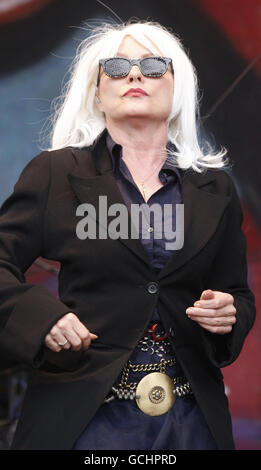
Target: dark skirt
121	425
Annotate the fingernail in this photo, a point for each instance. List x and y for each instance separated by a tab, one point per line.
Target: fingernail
189	310
197	304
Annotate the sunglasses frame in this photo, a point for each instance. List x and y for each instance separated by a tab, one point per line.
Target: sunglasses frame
165	60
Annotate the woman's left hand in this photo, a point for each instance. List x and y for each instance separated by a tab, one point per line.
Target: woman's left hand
214	311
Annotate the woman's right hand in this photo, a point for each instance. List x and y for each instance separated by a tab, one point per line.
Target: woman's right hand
69	332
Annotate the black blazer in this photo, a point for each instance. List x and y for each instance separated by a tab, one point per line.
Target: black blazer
106	283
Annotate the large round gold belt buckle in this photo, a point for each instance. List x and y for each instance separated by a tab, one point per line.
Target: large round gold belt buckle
155	394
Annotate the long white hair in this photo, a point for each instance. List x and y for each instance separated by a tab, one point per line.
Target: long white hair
77	121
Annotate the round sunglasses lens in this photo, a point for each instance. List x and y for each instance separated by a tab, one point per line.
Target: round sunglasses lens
153	66
117	67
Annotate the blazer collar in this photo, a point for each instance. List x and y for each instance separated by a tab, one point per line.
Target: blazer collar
203	206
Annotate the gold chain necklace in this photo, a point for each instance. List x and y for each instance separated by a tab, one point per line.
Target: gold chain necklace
143	189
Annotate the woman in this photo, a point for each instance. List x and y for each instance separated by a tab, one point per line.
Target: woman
129	356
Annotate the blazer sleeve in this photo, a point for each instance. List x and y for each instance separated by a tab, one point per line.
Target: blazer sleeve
228	273
27	311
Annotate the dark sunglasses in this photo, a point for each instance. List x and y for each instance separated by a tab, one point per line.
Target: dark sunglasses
117	67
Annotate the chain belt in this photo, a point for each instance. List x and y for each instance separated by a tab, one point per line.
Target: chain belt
156	392
125	394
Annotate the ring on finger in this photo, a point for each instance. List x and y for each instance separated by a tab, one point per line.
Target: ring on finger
63	344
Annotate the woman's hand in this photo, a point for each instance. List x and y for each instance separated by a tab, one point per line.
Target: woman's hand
68	333
214	311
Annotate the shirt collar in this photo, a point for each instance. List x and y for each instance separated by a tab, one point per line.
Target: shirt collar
115	151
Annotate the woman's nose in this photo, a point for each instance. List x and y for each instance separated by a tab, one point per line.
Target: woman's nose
135	74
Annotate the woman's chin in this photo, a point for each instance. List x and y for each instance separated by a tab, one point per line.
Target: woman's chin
137	112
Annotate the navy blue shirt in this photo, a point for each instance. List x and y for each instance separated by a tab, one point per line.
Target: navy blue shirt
120	424
170	193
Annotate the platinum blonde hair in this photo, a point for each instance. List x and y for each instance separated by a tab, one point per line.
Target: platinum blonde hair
77	121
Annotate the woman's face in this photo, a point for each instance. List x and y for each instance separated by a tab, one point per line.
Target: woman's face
156	104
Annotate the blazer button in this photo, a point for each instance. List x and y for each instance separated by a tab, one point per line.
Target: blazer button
153	287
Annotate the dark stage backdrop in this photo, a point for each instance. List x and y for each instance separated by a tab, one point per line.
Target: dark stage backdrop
38	41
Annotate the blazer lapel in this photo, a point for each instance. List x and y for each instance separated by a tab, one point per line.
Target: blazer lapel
202	209
90	189
202	213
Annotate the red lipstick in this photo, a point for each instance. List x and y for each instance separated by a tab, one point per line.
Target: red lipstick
136	92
